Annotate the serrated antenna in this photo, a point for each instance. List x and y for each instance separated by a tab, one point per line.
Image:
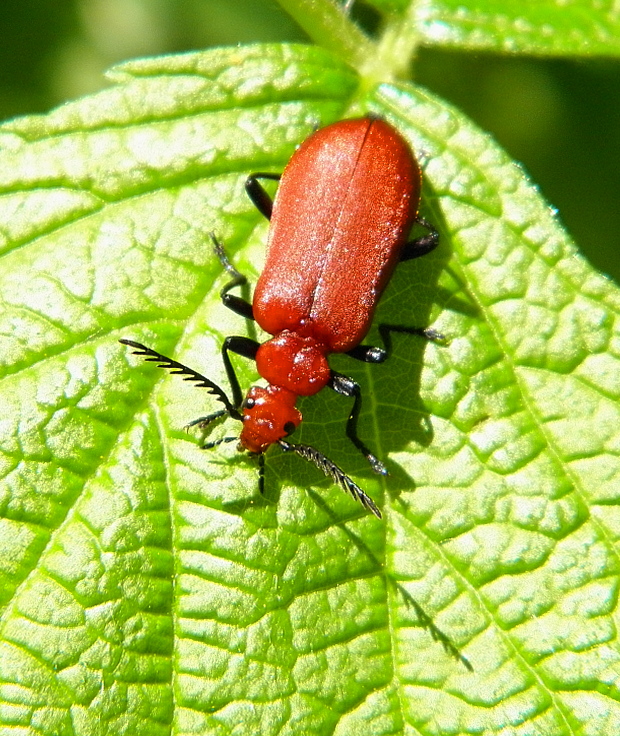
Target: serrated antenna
333	471
188	374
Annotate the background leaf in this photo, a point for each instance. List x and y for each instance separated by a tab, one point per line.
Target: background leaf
146	585
545	28
549	27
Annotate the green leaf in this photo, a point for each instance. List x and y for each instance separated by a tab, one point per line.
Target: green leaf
146	586
543	27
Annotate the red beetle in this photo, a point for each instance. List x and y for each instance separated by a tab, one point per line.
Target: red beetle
344	208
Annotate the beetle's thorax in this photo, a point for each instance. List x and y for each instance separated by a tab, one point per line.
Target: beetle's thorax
294	365
294	362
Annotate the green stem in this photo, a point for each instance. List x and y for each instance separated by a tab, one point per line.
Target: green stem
329	27
395	50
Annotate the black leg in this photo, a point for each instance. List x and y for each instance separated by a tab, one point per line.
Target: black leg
261	474
245	347
234	303
215	443
373	354
348	387
428	333
256	192
263	202
413	249
422	245
204	422
368	354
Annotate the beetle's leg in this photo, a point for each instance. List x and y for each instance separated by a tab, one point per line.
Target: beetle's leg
422	245
261	199
261	475
373	354
236	303
348	387
215	443
204	422
426	332
368	354
245	347
263	202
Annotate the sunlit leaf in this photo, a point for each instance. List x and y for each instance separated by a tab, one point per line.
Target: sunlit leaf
146	585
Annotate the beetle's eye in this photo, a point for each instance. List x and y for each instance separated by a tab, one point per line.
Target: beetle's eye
248	403
289	428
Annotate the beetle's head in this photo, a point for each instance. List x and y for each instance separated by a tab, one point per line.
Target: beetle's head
269	415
